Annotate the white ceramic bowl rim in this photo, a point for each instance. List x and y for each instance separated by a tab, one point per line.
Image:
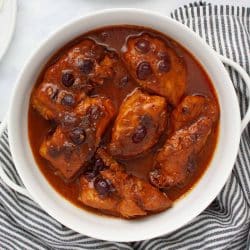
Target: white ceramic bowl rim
115	229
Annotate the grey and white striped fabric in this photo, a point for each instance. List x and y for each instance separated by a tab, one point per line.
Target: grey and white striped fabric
225	224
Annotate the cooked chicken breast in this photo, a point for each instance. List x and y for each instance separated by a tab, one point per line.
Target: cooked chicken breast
113	191
156	67
178	153
73	75
192	108
141	120
74	142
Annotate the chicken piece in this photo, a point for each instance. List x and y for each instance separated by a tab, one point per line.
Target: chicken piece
115	192
95	113
191	108
174	159
156	67
74	73
52	101
139	124
74	142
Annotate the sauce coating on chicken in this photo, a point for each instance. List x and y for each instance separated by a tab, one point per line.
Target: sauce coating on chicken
112	189
156	67
141	120
123	121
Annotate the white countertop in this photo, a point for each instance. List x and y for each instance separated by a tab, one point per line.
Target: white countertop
36	19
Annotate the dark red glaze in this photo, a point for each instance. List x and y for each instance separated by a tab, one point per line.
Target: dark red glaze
114	38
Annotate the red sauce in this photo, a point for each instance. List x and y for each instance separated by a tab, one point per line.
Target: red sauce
197	83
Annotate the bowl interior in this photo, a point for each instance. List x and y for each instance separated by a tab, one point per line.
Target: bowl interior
185	209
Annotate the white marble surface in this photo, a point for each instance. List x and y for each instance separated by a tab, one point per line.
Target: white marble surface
36	19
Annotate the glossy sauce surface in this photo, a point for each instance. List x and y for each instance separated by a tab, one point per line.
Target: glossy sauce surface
197	83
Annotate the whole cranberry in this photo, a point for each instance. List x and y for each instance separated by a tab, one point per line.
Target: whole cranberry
68	79
139	134
86	66
164	66
103	187
142	45
99	164
68	100
143	70
77	136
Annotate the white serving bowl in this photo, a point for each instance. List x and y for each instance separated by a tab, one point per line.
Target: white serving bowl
186	208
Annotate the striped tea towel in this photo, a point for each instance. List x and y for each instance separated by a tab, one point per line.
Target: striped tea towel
225	224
